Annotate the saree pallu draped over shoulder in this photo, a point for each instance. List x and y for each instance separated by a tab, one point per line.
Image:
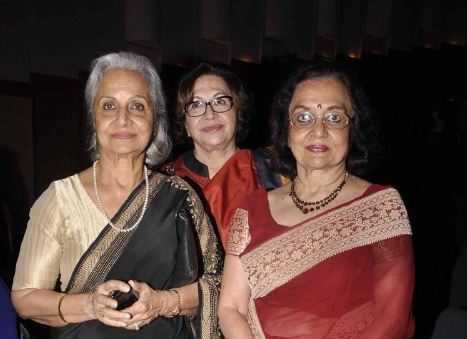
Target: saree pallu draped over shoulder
323	278
149	253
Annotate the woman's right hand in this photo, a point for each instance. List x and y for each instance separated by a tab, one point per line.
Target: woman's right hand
102	307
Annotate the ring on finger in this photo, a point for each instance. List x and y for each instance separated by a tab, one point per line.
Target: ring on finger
136	326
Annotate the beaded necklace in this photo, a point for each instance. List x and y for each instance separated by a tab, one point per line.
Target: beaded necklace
101	207
309	206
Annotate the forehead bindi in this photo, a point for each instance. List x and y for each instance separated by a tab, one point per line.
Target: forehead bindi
320	94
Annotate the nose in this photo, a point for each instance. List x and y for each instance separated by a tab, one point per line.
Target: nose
123	116
318	129
209	114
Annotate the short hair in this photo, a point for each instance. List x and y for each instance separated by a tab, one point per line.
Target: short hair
242	99
160	144
363	141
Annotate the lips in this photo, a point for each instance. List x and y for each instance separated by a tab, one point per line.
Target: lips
212	128
317	148
123	135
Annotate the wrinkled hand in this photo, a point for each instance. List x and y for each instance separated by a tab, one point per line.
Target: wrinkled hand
148	307
103	308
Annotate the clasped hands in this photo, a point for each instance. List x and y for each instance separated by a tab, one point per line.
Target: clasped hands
150	305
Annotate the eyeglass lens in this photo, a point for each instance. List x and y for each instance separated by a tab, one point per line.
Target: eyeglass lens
218	105
331	120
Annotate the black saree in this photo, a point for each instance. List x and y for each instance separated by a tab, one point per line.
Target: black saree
154	253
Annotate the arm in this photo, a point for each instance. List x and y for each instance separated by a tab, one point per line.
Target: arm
393	289
234	299
154	303
42	305
38	268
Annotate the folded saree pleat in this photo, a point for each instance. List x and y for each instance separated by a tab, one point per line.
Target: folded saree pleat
149	253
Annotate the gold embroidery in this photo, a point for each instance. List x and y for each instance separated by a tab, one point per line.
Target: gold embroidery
253	321
371	219
210	281
239	235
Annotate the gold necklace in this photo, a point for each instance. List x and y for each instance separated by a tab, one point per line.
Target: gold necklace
309	206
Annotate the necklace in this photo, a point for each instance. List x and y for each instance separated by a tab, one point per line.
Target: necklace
101	207
310	206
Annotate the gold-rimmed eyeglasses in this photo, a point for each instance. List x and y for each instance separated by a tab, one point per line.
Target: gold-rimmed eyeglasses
218	104
331	120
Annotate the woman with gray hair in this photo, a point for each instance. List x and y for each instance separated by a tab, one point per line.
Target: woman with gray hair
110	252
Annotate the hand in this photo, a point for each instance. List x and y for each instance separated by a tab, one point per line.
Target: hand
150	304
103	308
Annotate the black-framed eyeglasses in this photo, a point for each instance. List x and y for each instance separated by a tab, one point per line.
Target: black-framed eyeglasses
331	120
218	104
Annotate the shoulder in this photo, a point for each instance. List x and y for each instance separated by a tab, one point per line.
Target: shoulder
177	183
56	191
253	199
263	163
169	167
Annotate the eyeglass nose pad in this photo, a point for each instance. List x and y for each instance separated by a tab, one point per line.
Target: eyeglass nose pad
209	111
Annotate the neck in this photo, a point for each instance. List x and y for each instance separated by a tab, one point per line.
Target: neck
122	174
216	158
313	184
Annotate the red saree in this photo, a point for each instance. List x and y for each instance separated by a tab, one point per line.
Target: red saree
332	276
235	180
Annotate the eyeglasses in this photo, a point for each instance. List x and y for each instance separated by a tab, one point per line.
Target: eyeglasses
218	104
331	120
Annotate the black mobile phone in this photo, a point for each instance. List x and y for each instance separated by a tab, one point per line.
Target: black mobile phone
125	299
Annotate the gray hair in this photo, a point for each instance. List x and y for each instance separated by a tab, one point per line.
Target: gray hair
161	144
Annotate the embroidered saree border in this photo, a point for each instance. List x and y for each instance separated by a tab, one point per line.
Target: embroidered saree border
377	217
99	259
253	321
209	282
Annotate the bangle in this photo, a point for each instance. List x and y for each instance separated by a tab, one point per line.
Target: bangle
177	308
60	314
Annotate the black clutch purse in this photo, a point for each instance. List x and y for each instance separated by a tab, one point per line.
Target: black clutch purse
186	267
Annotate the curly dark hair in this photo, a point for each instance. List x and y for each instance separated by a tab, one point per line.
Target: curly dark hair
241	97
363	137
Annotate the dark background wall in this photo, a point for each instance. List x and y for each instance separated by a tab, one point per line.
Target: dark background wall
410	56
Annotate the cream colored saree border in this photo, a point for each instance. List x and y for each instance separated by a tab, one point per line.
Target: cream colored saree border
377	217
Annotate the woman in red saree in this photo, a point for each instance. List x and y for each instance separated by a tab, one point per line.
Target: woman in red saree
212	114
328	255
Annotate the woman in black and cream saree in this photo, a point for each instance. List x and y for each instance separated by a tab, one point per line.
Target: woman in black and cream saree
117	226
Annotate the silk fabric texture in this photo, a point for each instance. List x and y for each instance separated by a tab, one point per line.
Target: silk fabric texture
242	174
149	254
326	277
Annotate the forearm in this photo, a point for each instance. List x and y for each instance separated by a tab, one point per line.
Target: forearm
233	324
42	306
189	299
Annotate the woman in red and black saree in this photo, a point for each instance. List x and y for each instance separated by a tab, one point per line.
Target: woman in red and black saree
330	254
118	228
212	116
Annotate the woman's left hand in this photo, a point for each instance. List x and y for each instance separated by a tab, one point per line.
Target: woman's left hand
150	304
